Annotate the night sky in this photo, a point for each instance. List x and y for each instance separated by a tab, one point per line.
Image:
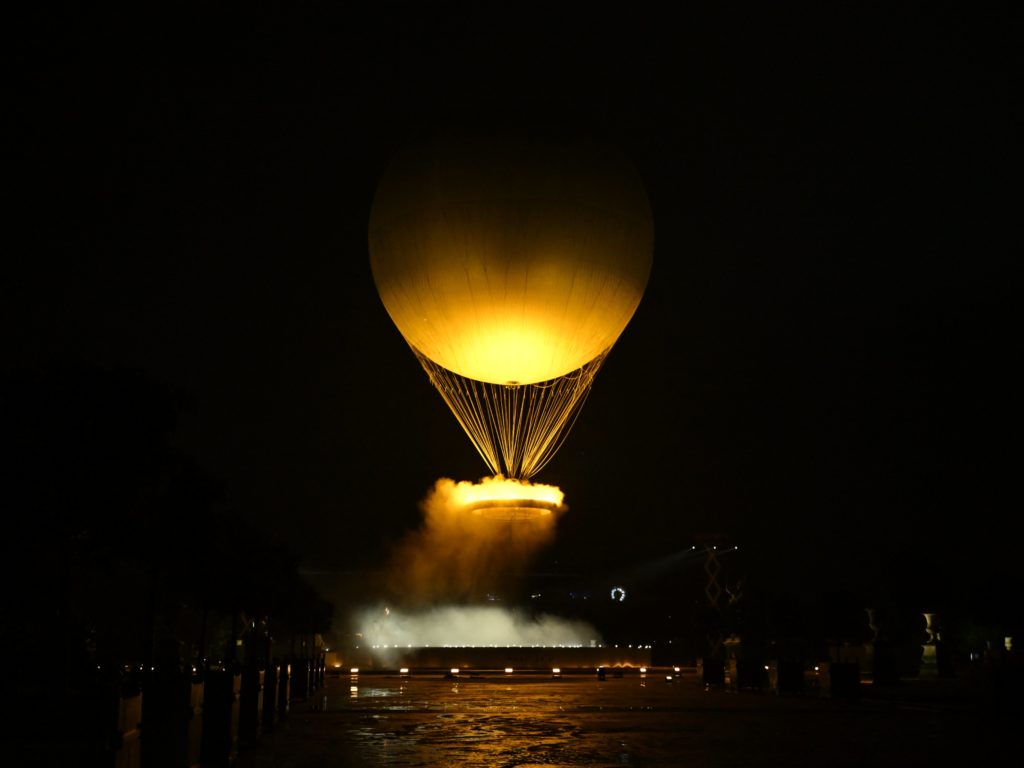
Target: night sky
822	367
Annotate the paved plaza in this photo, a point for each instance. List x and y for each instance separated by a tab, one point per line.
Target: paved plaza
658	719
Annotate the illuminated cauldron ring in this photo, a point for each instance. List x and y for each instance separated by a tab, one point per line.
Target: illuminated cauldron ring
513	509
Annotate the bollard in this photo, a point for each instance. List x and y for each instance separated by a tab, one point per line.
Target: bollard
128	749
321	671
250	707
195	726
284	694
300	679
166	716
219	747
270	696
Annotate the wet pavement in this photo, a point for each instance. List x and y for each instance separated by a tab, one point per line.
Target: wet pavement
577	720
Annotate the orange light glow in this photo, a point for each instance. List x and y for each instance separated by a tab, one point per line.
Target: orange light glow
511	268
512	262
502	498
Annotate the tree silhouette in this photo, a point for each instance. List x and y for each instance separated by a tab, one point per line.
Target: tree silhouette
121	551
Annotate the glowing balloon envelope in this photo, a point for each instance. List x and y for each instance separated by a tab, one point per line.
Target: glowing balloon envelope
511	268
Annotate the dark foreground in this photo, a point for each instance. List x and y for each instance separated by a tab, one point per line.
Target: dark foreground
529	722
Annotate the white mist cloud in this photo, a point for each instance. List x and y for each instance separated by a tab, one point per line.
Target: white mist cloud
468	625
440	575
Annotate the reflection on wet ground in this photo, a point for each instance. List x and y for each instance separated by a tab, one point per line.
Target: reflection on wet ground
530	722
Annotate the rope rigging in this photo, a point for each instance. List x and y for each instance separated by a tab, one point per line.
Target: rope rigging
516	429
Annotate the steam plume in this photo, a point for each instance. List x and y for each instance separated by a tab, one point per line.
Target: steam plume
442	575
459	557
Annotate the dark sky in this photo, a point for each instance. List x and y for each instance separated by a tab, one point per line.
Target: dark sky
822	367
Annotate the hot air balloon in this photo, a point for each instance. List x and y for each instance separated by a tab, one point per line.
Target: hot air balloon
511	267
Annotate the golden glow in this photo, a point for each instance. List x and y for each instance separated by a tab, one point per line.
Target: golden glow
456	555
514	263
511	270
502	498
498	487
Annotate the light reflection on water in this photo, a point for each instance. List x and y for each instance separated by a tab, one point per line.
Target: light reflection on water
498	722
479	722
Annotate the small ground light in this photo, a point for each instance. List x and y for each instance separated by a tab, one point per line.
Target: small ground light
455	670
556	672
508	670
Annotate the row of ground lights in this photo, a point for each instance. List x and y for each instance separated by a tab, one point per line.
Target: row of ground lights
509	670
